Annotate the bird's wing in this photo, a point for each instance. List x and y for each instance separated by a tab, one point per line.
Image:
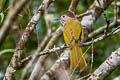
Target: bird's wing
72	31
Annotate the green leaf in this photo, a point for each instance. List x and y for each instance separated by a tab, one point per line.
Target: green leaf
7	51
2	17
3	5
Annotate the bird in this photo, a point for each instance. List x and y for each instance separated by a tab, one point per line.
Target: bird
73	36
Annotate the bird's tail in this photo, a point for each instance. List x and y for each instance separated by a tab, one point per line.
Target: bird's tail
77	59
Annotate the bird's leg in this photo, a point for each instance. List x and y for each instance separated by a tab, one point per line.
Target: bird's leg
76	40
72	38
70	42
80	39
70	45
79	42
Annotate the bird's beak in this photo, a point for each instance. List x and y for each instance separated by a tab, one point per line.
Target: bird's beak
57	19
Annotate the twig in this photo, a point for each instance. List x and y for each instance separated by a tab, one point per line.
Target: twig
79	62
109	65
84	77
107	22
92	56
105	18
12	68
116	11
87	64
46	52
102	37
38	39
12	16
84	14
101	29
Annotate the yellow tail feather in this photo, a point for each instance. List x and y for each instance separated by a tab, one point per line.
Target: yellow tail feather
77	59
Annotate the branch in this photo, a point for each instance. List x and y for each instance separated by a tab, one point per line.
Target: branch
84	14
105	18
62	62
117	30
41	46
101	29
46	52
109	65
12	68
117	3
32	58
38	54
88	20
39	65
117	78
12	16
73	5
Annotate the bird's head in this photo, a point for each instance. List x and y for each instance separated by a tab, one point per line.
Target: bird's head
67	15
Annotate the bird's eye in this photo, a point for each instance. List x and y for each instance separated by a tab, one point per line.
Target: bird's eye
63	16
